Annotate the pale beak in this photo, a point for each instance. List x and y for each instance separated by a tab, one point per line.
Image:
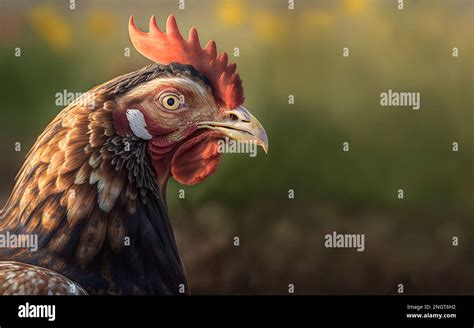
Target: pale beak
238	124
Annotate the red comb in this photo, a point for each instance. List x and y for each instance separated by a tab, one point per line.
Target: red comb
170	46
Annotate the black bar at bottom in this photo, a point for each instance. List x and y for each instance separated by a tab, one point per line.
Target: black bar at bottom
154	311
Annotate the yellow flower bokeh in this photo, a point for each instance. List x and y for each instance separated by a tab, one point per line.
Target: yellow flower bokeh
270	26
353	7
99	24
50	26
231	12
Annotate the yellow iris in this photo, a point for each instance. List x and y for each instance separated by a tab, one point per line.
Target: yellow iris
170	102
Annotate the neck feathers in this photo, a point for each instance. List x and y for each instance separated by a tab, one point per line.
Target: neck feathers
91	197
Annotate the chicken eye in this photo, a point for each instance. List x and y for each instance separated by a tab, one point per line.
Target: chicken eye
170	102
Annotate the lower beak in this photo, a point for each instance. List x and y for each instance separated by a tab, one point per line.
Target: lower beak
238	124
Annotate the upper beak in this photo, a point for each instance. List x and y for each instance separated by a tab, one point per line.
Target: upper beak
240	125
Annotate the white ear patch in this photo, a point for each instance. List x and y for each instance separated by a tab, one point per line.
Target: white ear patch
137	124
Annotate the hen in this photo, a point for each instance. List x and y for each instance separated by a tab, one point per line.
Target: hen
92	188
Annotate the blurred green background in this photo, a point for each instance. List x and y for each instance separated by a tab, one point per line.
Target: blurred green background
290	52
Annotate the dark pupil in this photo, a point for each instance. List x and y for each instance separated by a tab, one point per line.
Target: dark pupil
170	101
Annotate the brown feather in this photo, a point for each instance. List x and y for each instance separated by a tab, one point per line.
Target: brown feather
116	230
65	181
109	186
56	161
52	214
80	202
82	175
92	238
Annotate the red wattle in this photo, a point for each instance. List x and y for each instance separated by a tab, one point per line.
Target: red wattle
196	159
